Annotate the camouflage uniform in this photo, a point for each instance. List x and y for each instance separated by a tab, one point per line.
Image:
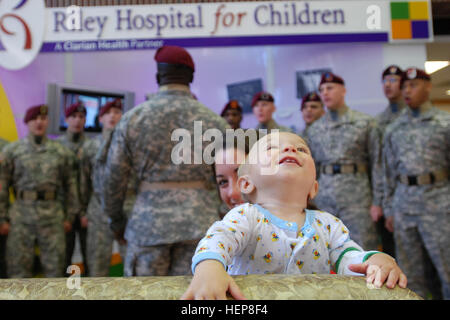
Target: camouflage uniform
304	133
100	238
418	143
43	178
166	222
74	143
270	125
384	118
389	114
3	143
352	138
2	237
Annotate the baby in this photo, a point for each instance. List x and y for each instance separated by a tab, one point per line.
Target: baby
275	233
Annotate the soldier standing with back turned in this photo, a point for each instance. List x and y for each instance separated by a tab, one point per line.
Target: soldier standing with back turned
176	202
2	236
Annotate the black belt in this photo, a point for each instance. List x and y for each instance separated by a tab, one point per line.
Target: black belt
338	168
32	195
427	178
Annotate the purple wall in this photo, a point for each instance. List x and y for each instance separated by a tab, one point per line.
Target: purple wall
27	87
359	64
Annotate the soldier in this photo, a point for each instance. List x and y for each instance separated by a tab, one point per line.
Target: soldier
73	140
232	113
263	108
346	147
41	173
99	236
312	109
391	78
2	236
176	201
416	162
2	143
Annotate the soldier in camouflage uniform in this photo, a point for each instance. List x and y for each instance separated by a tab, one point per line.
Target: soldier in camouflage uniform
3	143
73	139
312	109
232	113
2	236
345	145
391	78
416	163
41	173
100	237
176	201
263	107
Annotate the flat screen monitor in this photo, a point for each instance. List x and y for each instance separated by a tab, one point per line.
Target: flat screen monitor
61	96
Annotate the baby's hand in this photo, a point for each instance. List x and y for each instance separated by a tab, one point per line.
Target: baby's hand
211	282
381	268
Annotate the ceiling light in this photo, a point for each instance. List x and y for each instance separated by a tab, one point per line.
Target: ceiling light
448	92
433	66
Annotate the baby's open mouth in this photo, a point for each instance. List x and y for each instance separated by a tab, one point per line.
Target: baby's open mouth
292	160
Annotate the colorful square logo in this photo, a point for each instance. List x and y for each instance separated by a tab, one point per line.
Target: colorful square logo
409	20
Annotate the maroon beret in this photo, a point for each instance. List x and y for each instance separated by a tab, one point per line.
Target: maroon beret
262	96
34	111
233	104
312	96
174	55
329	77
116	103
392	70
76	107
415	73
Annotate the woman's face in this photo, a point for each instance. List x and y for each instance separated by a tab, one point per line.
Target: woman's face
227	163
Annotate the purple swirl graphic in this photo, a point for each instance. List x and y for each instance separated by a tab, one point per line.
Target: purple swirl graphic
20	4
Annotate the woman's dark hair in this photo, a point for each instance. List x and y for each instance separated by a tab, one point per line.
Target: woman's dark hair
311	206
235	145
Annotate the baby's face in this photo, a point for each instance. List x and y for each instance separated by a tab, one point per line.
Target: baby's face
281	157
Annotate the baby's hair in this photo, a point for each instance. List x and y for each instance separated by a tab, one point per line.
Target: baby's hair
244	169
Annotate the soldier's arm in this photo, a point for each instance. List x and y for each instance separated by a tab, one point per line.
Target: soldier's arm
376	171
82	211
308	140
115	180
6	172
388	175
71	186
447	134
85	177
